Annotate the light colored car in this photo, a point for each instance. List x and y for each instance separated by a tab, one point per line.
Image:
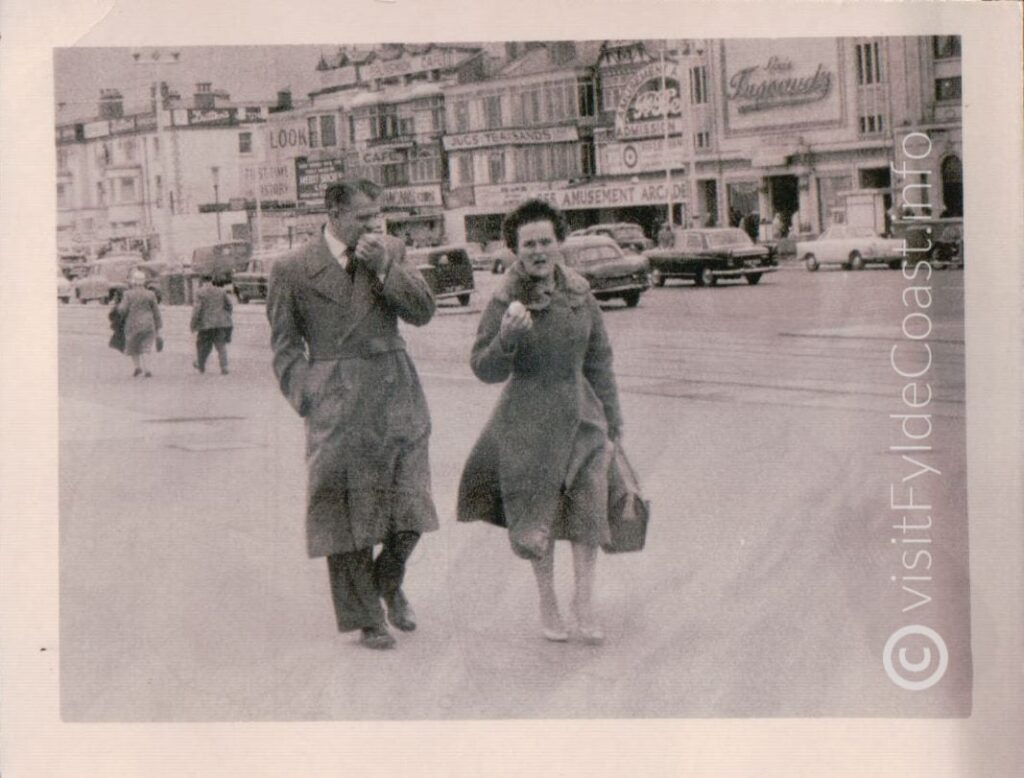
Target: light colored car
850	247
108	277
64	291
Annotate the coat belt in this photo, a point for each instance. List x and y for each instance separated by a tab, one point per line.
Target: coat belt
363	349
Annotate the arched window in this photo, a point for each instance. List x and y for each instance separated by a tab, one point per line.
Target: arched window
952	186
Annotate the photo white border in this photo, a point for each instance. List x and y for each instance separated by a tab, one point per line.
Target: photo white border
33	741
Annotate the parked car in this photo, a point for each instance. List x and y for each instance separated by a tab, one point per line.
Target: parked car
628	235
447	270
251	283
108	277
611	272
221	260
710	254
500	257
851	248
73	266
478	257
64	290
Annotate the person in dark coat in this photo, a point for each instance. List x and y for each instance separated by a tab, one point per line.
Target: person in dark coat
540	467
334	306
211	321
140	312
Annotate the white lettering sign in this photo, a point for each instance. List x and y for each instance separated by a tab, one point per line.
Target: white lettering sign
574	198
411	197
269	181
476	140
291	136
651	98
434	60
640	156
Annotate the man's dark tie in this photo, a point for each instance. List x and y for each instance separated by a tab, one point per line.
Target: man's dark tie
350	264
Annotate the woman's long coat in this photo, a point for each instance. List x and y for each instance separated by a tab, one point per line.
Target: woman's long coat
141	314
556	412
342	365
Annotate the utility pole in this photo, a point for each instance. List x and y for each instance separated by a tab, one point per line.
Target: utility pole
156	59
216	196
664	122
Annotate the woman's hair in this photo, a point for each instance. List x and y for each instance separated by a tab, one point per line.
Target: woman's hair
531	211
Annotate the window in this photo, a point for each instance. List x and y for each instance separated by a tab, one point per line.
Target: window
698	85
428	169
383	122
328	133
869	65
702	140
405	126
946	46
63	195
126	186
872	124
496	167
587	97
101	193
103	154
952	186
462	116
245	143
314	135
63	156
588	157
159	186
947	88
437	118
252	112
128	149
465	167
531	107
492	112
395	175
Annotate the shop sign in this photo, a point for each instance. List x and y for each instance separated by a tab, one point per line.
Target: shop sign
476	140
146	122
267	181
212	116
581	197
780	83
434	60
96	129
648	102
313	176
122	125
640	156
291	136
411	196
382	156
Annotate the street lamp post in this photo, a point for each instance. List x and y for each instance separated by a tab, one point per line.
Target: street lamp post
216	196
156	58
664	121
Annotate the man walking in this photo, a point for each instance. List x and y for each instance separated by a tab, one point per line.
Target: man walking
211	321
333	307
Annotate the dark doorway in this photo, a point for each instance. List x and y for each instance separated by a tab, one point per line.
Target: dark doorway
875	178
952	187
709	201
785	195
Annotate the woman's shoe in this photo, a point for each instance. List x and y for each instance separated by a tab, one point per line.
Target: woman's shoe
555	635
137	373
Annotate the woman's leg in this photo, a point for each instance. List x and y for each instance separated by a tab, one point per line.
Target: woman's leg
137	363
584	562
550	618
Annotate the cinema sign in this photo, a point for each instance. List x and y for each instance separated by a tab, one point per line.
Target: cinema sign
649	100
781	83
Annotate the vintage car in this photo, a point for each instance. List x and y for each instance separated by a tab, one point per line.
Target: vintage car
447	269
940	241
850	247
73	265
710	254
251	283
628	235
478	257
500	257
108	277
63	288
611	272
221	260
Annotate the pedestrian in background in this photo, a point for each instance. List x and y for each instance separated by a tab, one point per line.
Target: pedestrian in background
334	306
140	314
211	321
540	467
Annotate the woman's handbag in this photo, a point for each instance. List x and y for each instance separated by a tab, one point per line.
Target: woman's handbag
628	511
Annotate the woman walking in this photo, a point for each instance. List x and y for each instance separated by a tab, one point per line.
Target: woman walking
540	467
140	312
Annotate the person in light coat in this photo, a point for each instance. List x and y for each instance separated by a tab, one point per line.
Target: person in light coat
140	313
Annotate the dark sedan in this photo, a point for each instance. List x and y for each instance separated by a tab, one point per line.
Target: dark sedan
708	255
610	272
447	269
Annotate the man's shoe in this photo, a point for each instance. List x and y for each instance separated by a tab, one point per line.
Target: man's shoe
197	367
400	613
377	637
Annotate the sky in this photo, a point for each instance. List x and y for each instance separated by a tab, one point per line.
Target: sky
245	72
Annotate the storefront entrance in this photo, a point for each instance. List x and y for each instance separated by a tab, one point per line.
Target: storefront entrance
784	194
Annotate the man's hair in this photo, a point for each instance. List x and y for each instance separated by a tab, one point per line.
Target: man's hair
527	212
340	194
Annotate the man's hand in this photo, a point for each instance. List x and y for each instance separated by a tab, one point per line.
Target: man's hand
372	252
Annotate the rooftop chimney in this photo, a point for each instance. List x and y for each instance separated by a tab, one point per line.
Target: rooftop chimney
111	104
284	100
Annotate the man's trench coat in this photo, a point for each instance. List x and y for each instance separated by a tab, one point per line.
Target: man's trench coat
342	365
